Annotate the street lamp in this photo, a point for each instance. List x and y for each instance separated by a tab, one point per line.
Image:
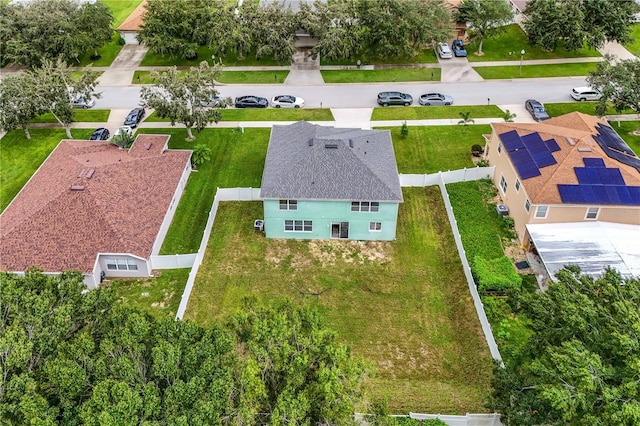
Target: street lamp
521	58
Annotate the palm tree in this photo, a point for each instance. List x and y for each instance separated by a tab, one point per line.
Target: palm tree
466	119
508	116
201	153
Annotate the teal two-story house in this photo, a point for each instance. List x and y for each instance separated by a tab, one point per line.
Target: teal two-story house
324	182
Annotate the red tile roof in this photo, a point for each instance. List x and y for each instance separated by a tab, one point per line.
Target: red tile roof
573	127
119	209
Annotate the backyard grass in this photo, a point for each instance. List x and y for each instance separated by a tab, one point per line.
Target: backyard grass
403	305
436	112
431	149
513	40
266	114
20	158
634	46
237	160
426	56
625	129
227	77
381	75
81	115
204	54
159	295
536	71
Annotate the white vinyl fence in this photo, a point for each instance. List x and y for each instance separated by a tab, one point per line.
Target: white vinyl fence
467	420
222	194
173	261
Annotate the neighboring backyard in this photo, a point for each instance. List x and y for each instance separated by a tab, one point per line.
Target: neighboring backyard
402	305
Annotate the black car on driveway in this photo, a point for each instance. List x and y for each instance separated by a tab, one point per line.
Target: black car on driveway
536	109
251	102
135	117
394	98
101	134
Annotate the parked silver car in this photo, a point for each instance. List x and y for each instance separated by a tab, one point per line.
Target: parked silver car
435	99
444	51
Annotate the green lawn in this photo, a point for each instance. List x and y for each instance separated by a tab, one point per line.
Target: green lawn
625	130
431	149
435	112
426	56
107	54
556	109
121	9
266	114
237	160
204	54
381	75
81	115
634	46
227	77
402	305
536	71
20	157
513	40
159	295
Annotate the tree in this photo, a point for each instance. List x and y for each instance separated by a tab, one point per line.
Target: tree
577	22
466	118
619	84
58	88
179	96
308	377
18	98
392	28
580	365
485	18
508	116
274	32
54	29
122	140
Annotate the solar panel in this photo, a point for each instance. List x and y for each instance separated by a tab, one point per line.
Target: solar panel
600	193
552	145
511	140
593	162
634	191
589	195
520	156
533	142
625	159
610	176
613	140
544	159
583	176
528	170
612	194
624	195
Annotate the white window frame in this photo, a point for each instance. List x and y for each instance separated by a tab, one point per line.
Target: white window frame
365	206
541	212
375	226
288	204
297	225
517	185
592	213
121	264
503	184
527	205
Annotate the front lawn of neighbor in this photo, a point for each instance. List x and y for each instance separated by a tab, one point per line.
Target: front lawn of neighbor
402	305
556	109
204	54
381	75
158	295
436	112
227	77
107	54
431	149
426	56
237	160
265	114
20	158
79	115
634	46
513	40
536	71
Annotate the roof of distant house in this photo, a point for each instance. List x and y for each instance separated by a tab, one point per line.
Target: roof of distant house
570	139
90	197
134	21
311	162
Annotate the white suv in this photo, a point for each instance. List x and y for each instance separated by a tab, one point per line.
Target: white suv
585	94
444	51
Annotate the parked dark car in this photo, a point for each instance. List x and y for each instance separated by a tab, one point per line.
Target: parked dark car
101	134
458	48
394	98
536	109
251	102
135	117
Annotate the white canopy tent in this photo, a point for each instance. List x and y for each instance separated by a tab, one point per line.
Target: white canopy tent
591	245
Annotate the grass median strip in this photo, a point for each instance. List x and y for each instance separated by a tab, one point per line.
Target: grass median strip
227	77
536	71
403	305
426	56
436	112
266	114
383	75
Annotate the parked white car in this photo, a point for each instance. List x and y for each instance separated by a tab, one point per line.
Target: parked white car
287	101
585	94
444	51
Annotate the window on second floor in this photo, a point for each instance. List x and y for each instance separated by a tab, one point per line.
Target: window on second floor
365	206
288	204
592	213
527	205
517	185
541	212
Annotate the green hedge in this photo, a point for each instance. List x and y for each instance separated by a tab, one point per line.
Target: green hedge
495	274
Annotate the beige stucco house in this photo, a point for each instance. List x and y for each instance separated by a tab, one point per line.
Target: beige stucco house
569	169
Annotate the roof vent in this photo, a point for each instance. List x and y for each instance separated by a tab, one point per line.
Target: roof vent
350	143
571	141
90	173
148	146
81	173
77	187
331	145
311	142
584	149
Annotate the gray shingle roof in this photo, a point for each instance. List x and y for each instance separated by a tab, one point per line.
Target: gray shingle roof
340	164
